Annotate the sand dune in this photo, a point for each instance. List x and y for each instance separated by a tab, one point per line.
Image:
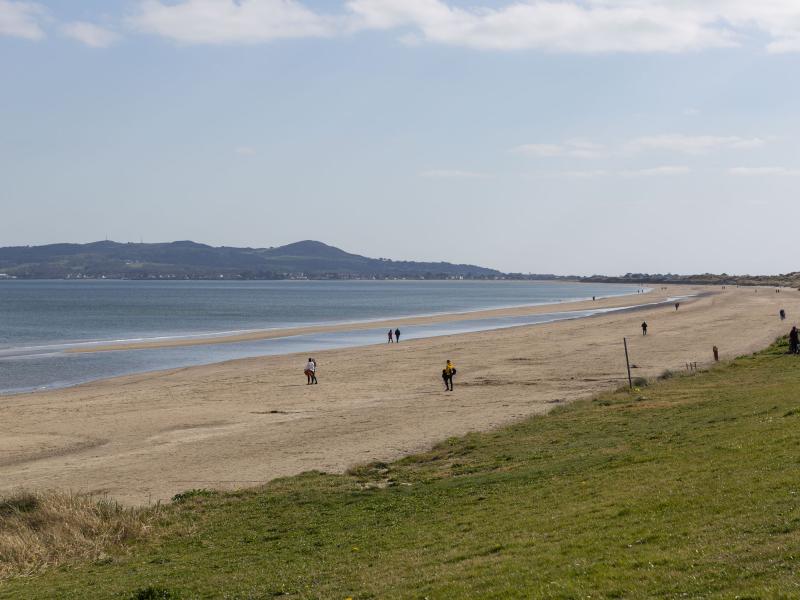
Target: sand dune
146	437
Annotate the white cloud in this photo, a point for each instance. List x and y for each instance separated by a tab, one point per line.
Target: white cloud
230	21
673	142
570	148
786	44
22	19
451	174
577	26
763	171
90	34
582	174
589	174
668	170
549	25
245	151
541	150
657	171
779	19
592	25
693	144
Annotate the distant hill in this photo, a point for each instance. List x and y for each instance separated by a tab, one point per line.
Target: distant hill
190	260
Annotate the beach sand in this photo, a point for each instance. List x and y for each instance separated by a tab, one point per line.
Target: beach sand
145	437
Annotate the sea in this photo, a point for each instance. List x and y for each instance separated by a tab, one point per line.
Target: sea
41	320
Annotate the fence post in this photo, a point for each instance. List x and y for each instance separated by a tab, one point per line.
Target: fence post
627	362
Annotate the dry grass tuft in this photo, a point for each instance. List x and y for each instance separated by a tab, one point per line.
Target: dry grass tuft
45	529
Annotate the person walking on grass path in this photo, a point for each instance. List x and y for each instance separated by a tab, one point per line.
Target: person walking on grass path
794	341
644	327
311	371
447	375
397	335
390	337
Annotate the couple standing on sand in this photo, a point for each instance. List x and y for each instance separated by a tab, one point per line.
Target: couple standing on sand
311	371
396	334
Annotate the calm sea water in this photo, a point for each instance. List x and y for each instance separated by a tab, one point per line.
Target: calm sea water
41	319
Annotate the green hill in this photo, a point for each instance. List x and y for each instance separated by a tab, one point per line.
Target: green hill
687	488
190	260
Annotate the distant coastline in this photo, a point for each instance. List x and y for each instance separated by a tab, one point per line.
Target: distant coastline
306	260
187	260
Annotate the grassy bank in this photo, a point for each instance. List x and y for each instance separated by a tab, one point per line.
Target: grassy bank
687	488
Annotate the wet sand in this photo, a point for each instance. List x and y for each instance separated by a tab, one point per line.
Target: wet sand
266	334
145	437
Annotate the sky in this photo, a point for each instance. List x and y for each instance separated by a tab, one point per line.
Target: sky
544	136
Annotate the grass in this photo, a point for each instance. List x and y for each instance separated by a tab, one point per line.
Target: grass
46	529
688	488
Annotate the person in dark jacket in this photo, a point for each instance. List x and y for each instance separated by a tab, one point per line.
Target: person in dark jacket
397	335
644	327
447	374
794	341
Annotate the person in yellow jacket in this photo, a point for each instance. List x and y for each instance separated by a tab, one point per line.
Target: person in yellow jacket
447	375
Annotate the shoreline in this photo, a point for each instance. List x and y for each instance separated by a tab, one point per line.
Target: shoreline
309	340
205	339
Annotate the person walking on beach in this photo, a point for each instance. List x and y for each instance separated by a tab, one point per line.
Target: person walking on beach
311	371
390	337
447	374
644	327
397	335
782	313
677	304
794	341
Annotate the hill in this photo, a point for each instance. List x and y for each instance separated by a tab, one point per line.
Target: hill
686	488
191	260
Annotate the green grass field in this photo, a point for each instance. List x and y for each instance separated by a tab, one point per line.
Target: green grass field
688	488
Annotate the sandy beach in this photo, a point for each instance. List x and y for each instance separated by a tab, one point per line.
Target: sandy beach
145	437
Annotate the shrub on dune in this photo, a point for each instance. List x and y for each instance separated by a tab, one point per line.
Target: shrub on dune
45	529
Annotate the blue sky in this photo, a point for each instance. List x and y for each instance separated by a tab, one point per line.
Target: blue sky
568	137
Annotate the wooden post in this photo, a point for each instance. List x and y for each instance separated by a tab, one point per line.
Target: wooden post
627	362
